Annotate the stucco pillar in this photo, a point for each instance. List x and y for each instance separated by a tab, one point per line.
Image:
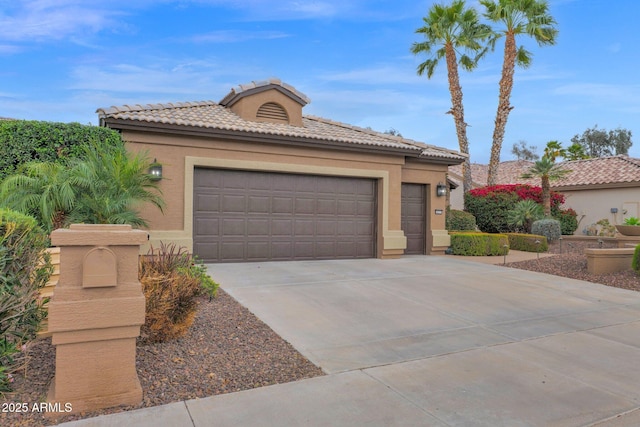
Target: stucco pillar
95	315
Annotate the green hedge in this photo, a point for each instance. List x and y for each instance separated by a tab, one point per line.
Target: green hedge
24	269
527	242
479	244
460	221
23	141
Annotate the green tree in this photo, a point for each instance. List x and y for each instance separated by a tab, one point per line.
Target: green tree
453	32
547	171
601	143
553	150
519	17
575	152
522	151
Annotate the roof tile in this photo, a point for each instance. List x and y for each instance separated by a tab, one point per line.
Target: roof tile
211	115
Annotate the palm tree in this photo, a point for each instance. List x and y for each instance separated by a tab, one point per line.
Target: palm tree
449	31
44	190
547	171
105	186
530	17
113	185
554	150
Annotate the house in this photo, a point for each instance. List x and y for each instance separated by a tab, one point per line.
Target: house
598	188
251	178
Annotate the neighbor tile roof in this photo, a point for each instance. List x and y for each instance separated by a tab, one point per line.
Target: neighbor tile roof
209	115
590	172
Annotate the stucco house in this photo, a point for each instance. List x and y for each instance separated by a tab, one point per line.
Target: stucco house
251	178
598	188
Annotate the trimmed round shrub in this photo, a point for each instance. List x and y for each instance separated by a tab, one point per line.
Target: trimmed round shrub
479	244
549	228
25	268
460	221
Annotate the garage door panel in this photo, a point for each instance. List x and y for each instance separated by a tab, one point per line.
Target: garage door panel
282	227
281	250
233	203
364	229
282	205
207	202
305	206
326	206
232	251
268	216
208	226
233	227
259	204
347	207
304	228
326	228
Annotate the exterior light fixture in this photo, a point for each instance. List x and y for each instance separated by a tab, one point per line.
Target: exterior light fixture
155	170
441	190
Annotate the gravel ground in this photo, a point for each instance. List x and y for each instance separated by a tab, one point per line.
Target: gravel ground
228	349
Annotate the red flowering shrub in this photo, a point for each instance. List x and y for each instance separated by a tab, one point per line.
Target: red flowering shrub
523	191
490	204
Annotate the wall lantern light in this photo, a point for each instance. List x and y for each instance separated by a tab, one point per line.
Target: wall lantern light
441	190
155	170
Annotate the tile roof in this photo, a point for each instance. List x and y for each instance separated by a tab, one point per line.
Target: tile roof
209	115
599	171
248	87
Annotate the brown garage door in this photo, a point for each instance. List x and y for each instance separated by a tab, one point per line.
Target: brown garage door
413	217
258	216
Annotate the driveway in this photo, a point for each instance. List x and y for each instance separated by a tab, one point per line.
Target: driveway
428	341
438	341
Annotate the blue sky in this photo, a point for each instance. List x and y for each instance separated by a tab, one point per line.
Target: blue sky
60	60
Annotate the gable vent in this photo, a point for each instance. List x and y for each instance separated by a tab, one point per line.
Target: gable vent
272	112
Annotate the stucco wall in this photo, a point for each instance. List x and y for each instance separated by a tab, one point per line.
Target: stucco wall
179	155
595	204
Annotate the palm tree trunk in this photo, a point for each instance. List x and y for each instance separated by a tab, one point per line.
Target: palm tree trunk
546	196
457	111
504	107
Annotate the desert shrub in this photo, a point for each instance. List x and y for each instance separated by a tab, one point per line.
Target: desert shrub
490	204
460	221
527	242
568	220
549	228
523	214
635	262
24	269
23	141
171	282
479	244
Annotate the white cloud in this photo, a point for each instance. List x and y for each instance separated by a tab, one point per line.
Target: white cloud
48	19
233	36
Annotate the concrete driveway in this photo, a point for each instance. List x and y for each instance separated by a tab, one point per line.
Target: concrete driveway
439	341
429	341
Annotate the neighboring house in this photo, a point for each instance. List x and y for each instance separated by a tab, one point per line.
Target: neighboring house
599	188
251	178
